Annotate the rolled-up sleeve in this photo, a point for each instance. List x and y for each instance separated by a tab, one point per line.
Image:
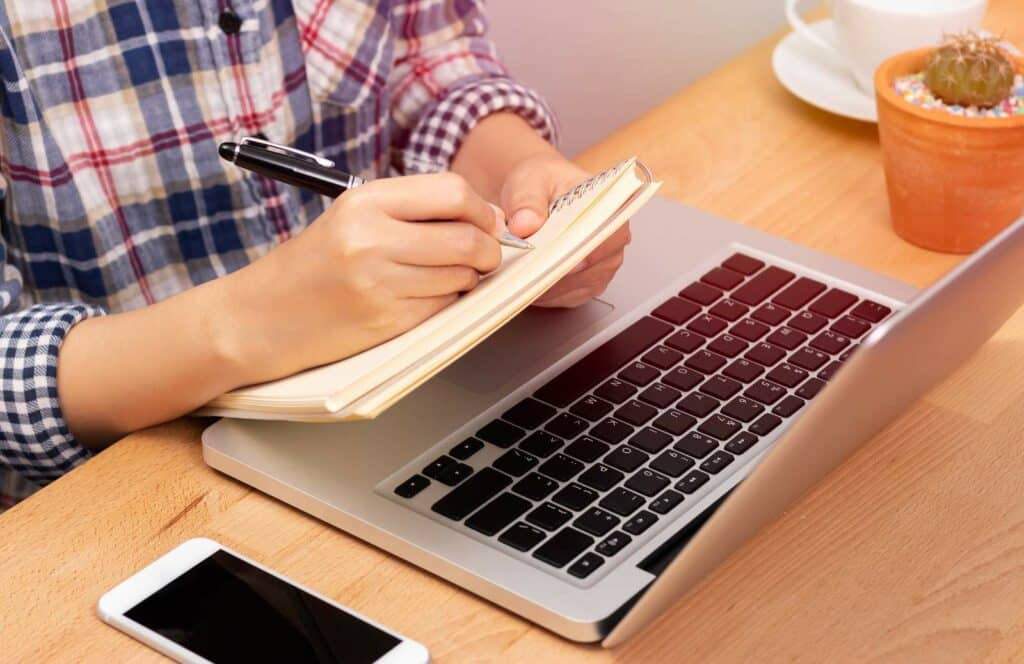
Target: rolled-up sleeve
447	77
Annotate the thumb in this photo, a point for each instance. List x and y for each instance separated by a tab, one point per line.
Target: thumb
525	201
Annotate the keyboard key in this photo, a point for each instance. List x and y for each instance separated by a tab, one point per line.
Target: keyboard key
765	424
626	458
412	486
716	462
808	358
575	497
830	371
501	434
766	354
601	477
615	390
438	466
563	547
522	537
529	413
585	566
636	413
660	395
496	515
622	502
596	521
871	311
466	498
651	440
723	278
741	443
676	311
788	406
851	327
771	314
685	341
808	322
613	544
765	392
639	373
541	443
587	449
515	462
466	449
535	486
728	345
662	357
787	374
763	285
744	370
749	329
810	389
672	463
561	467
729	310
677	423
591	408
799	293
833	303
666	502
567	426
743	264
593	369
548	516
693	481
720	427
705	362
454	474
830	342
721	387
787	338
743	409
683	378
707	325
647	482
612	431
697	404
641	522
701	293
696	445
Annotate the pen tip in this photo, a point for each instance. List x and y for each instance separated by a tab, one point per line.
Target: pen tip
227	150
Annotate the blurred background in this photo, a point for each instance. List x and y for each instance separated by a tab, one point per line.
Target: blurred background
602	63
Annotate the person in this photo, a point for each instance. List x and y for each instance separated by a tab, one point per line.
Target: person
143	276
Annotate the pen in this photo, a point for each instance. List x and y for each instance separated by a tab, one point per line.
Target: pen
307	171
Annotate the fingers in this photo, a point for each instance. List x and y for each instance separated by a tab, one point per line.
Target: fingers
441	243
576	289
529	190
615	244
410	281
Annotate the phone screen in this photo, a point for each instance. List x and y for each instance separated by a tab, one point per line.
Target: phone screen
226	610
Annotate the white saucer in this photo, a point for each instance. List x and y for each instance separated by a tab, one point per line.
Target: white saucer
819	78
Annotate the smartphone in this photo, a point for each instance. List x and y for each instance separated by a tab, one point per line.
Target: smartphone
205	603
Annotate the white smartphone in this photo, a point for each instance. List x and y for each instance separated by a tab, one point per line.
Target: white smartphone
204	603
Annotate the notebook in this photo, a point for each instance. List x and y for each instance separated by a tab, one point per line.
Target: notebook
365	385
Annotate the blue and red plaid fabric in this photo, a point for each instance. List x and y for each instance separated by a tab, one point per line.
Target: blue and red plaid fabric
114	196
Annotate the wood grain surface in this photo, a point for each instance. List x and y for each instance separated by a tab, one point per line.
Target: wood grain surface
912	551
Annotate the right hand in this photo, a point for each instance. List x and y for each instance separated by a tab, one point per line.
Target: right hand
374	265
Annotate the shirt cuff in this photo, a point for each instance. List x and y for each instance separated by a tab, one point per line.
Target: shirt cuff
439	134
34	438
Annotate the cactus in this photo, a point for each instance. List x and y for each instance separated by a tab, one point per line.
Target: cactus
970	70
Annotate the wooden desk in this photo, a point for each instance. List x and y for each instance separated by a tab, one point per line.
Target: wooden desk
913	550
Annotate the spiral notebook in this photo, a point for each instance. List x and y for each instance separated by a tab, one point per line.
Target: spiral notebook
365	385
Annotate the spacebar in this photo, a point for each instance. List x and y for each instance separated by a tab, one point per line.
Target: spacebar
572	383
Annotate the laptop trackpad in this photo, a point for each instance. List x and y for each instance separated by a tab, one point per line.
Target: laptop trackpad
514	352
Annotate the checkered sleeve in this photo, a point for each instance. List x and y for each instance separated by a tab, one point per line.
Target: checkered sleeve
447	77
34	439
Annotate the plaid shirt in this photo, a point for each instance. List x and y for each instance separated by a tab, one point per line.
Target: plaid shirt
114	196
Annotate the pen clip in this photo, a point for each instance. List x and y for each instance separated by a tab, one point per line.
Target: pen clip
301	154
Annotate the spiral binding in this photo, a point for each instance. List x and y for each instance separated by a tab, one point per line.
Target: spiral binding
584	188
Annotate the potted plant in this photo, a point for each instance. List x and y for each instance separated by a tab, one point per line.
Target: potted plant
951	123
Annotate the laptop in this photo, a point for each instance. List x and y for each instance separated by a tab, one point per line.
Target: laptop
585	468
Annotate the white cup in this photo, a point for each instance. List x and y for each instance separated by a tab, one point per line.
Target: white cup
868	32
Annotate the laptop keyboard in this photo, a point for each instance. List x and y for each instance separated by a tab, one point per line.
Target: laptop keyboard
575	473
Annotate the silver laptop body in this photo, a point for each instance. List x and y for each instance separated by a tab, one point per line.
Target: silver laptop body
347	474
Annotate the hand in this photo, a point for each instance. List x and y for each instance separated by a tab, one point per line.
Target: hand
371	267
531	186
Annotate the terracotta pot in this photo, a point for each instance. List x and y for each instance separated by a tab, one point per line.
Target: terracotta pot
953	182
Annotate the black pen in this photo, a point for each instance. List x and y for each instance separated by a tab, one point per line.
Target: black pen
306	171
